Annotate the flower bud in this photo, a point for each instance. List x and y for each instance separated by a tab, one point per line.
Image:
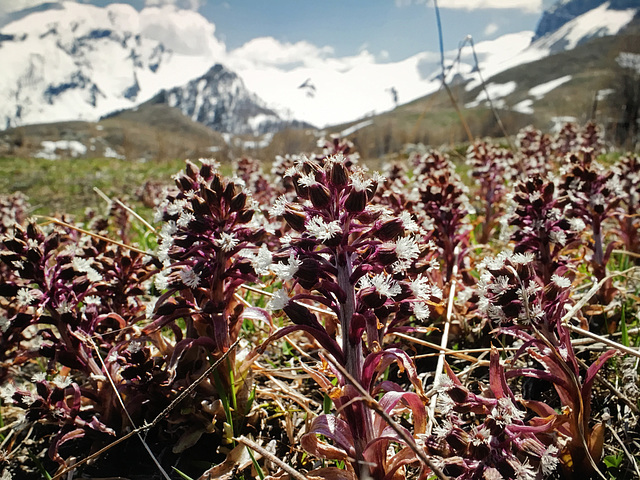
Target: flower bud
356	200
319	195
390	230
238	202
245	216
338	174
458	394
457	439
191	170
372	298
184	183
295	218
300	315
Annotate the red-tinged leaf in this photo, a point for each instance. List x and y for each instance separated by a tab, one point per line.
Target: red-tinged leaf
376	450
594	368
497	380
319	378
541	408
110	316
255	313
406	456
335	429
320	335
61	439
540	374
377	362
390	400
590	377
97	425
565	341
548	425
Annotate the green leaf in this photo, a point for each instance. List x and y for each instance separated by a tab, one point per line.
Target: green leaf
613	461
623	327
183	475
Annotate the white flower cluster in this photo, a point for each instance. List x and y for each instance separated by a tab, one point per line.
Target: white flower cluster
407	250
323	231
189	277
26	296
260	260
382	283
84	265
279	300
286	271
226	242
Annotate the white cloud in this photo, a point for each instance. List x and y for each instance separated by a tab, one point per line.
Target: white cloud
183	31
185	4
526	5
267	51
490	29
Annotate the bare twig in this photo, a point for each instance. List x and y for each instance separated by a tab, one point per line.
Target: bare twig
594	289
605	340
444	81
447	351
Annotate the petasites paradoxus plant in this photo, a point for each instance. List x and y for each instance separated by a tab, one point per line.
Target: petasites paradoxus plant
351	257
208	245
523	306
74	301
500	442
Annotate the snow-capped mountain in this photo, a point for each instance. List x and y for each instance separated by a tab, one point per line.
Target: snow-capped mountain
564	11
569	23
72	61
220	100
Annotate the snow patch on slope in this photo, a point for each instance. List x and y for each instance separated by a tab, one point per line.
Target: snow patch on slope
496	92
539	91
599	22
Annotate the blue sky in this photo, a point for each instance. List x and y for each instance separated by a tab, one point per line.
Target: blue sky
390	29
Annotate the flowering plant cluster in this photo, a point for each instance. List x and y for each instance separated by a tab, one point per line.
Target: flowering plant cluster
327	287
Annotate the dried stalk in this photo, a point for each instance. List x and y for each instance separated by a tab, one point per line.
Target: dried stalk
271	457
95	235
127	208
445	337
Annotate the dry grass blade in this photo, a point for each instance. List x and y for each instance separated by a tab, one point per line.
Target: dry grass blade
624	448
447	351
127	208
271	457
95	235
445	336
157	419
